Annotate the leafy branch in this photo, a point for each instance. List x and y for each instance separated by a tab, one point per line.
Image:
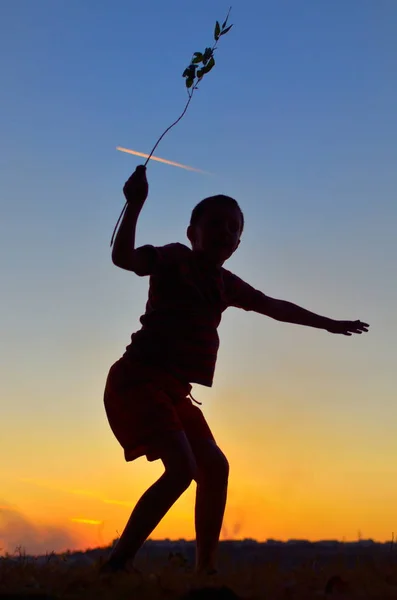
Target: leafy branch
200	65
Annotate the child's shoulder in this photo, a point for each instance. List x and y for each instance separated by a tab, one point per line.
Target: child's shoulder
229	276
173	251
171	254
175	247
233	283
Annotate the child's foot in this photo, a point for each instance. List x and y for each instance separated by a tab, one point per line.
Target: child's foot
206	572
112	567
108	568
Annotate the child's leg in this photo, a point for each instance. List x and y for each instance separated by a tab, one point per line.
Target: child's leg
212	481
180	470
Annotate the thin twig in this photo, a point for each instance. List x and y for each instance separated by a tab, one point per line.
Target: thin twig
170	127
190	94
186	107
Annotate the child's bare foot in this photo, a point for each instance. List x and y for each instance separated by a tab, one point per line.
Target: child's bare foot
112	567
109	568
206	571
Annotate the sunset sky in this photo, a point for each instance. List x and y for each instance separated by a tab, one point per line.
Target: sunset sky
297	121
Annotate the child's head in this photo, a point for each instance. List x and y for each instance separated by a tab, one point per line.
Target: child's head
215	227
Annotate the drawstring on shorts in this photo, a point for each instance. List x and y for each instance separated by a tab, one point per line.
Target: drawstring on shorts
196	401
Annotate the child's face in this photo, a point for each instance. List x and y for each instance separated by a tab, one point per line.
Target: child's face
217	233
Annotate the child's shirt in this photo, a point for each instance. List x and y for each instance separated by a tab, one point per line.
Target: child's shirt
187	297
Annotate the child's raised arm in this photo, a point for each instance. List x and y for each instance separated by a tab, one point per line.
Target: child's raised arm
124	254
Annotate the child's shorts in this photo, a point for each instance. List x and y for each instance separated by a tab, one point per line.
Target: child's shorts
144	403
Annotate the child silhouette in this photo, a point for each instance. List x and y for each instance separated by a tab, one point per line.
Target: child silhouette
147	395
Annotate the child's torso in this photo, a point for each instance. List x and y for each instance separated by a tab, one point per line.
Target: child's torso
179	327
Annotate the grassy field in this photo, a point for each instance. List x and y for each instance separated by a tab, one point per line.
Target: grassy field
241	575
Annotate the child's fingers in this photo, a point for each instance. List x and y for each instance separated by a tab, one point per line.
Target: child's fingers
136	187
140	172
137	177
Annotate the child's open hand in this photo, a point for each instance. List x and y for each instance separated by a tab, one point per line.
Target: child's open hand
347	327
136	188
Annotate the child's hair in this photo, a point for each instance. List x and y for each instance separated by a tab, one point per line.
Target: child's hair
202	206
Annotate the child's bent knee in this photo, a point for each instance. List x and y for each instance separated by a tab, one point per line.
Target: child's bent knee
225	468
216	473
221	469
179	478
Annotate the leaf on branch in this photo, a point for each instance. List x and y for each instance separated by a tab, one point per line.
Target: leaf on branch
227	16
207	55
217	31
226	30
190	72
189	82
198	57
209	66
200	73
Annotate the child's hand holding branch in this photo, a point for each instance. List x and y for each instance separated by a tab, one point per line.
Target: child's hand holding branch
136	188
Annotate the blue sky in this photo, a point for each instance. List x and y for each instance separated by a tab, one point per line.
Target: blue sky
297	121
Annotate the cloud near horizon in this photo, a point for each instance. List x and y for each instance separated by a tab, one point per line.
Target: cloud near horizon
86	521
16	531
76	492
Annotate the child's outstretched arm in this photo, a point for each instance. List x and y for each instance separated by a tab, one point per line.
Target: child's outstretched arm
124	254
281	310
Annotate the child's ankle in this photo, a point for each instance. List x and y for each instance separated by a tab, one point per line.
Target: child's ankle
117	562
206	570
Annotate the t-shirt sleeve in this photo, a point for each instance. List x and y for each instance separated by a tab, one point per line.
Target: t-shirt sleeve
239	293
154	258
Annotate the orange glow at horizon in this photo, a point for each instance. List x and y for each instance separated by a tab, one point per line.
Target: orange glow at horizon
87	521
76	492
294	479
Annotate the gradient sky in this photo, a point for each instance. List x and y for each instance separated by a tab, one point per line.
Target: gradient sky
298	122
